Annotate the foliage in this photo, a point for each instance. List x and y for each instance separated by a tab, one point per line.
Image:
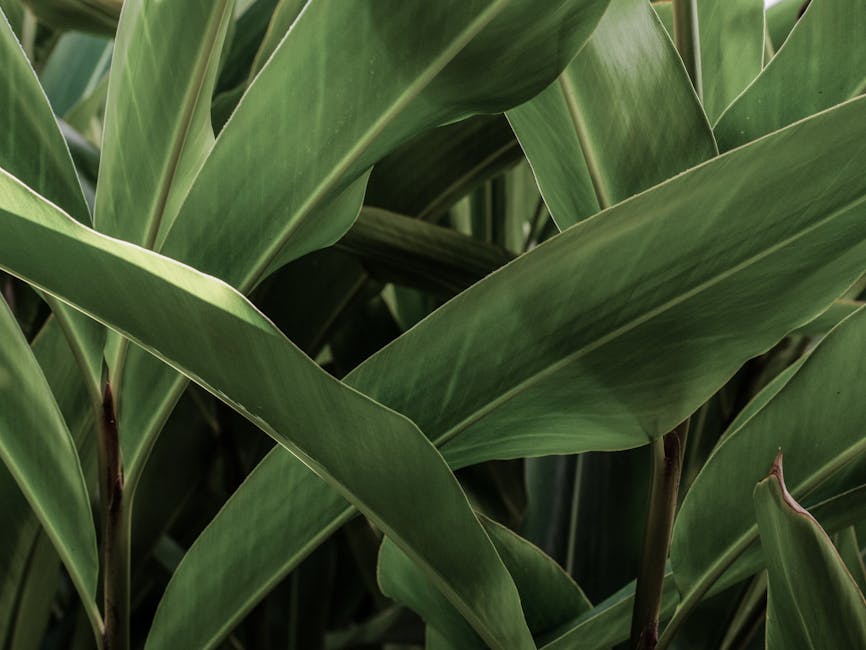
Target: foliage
456	324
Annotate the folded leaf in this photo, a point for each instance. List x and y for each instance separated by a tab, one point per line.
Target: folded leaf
812	600
187	319
805	76
586	161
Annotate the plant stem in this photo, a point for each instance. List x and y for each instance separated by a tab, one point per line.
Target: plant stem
667	464
115	531
687	40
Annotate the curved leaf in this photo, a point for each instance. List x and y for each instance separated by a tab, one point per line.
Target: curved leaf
805	76
812	600
585	161
818	420
39	452
73	69
422	66
184	316
32	148
610	365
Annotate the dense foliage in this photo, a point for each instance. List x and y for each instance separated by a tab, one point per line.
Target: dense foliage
448	325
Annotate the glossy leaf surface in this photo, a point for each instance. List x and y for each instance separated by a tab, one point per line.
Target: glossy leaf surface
189	315
561	385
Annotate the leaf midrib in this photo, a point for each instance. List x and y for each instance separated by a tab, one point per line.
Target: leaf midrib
570	358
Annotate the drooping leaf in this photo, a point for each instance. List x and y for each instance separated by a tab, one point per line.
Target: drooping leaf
812	600
805	76
817	419
39	452
731	39
584	377
550	598
585	161
190	315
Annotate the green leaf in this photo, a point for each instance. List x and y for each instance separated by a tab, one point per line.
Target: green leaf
781	18
410	251
609	623
835	314
731	37
183	316
852	555
32	149
283	16
427	175
812	600
20	526
40	454
549	596
421	67
157	121
817	419
73	69
586	161
614	364
37	596
98	16
805	76
306	512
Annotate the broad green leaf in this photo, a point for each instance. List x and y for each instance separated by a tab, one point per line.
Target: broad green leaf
816	418
183	316
584	376
422	66
812	600
32	148
73	69
731	39
550	597
14	12
306	513
586	161
805	76
157	122
39	452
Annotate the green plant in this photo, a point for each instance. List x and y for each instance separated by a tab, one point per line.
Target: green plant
561	343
